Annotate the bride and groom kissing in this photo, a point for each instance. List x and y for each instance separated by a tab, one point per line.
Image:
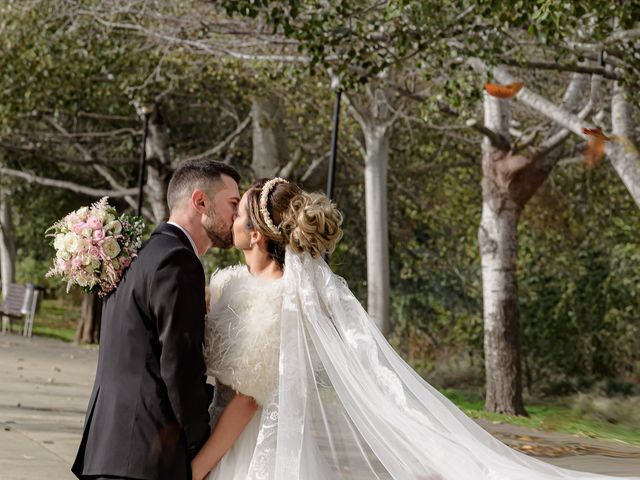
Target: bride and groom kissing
318	391
148	414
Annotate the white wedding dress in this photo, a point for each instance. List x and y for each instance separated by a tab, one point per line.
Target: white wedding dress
335	400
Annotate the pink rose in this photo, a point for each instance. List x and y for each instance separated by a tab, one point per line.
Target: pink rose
78	227
94	223
98	235
76	262
94	252
61	264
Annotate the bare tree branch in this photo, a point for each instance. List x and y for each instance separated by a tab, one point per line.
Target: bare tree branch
561	136
547	108
623	35
31	149
314	175
74	187
90	159
112	133
210	49
356	110
496	139
563	68
223	144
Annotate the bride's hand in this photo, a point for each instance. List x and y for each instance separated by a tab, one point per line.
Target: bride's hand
198	471
230	425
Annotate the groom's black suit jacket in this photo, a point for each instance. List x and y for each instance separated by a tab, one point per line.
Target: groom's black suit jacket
148	413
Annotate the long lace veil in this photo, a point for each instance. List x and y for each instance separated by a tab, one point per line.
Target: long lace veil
348	407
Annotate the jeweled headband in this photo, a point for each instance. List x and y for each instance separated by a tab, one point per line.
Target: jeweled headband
264	200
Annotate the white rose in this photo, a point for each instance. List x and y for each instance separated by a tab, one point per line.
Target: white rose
63	254
87	232
58	243
111	247
71	242
71	220
114	226
83	213
81	280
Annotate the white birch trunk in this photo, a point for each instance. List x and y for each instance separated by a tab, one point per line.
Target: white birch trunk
497	238
270	147
624	157
375	182
159	167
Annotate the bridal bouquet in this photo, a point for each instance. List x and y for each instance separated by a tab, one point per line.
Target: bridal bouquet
94	246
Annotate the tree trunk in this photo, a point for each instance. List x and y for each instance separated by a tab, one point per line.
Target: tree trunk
88	330
375	183
270	147
7	243
624	157
159	167
497	238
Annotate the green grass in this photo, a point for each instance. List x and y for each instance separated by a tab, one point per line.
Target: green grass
553	415
56	318
65	334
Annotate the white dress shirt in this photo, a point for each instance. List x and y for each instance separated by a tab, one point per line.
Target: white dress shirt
193	244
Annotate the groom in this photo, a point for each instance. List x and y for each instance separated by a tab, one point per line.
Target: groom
148	413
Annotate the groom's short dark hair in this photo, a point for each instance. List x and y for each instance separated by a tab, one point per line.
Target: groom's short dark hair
193	174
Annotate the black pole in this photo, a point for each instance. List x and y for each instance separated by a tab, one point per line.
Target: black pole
143	162
331	177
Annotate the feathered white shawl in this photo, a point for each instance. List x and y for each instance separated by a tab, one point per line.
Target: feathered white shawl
242	333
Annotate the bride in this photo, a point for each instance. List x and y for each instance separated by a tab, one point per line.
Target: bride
320	394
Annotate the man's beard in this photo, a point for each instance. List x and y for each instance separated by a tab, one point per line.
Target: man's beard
220	234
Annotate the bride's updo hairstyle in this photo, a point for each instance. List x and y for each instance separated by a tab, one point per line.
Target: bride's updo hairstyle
307	222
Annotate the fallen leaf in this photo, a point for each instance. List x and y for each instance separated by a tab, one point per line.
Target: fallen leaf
503	91
594	152
596	133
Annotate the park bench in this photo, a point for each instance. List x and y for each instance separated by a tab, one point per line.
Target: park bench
21	302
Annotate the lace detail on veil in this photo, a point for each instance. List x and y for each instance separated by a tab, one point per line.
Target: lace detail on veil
262	462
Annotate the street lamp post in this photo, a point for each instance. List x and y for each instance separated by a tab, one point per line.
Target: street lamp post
331	177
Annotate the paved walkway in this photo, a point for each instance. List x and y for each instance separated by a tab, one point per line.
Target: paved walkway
45	386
